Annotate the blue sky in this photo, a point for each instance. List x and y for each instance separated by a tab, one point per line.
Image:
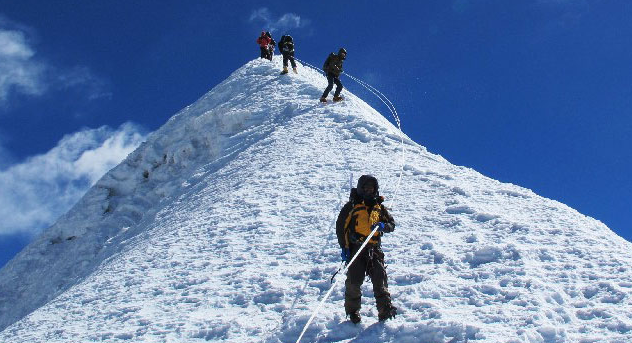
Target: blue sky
532	92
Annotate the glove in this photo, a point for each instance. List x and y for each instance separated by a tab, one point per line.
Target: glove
380	227
345	254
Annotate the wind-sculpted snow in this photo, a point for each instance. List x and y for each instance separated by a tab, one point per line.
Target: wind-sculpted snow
220	228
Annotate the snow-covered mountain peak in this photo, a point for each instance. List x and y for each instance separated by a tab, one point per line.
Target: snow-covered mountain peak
220	227
247	107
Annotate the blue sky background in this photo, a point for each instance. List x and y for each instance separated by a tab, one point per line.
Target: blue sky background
532	92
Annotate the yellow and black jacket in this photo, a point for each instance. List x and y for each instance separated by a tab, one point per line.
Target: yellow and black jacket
357	218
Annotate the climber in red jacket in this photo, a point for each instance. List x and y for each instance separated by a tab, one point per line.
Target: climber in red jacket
263	42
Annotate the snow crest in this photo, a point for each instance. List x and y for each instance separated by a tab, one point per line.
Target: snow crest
221	228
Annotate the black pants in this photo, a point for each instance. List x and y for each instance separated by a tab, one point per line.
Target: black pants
331	79
264	52
270	52
370	262
290	57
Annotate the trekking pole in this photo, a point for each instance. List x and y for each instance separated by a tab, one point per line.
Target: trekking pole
366	241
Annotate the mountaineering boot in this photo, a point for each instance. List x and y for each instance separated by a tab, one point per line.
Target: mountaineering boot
338	98
323	99
355	317
294	70
387	313
284	71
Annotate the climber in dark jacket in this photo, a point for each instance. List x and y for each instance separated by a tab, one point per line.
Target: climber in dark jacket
286	46
356	221
333	68
271	46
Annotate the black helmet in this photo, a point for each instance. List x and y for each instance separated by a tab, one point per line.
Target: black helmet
342	51
367	179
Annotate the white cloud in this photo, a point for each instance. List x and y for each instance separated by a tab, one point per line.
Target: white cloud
23	72
279	25
82	78
34	193
18	70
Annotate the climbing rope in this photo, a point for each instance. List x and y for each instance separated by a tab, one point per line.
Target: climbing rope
393	111
385	100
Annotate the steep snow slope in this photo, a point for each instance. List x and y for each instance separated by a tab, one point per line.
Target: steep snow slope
220	227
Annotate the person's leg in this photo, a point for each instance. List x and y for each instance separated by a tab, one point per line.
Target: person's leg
292	61
264	52
330	85
338	86
385	308
379	279
284	64
353	284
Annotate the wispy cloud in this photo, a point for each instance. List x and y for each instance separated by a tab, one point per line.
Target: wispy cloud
285	22
81	78
22	71
34	193
19	71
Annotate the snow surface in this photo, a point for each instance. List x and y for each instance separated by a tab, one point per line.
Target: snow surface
221	228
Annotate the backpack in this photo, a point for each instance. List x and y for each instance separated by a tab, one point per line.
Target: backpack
361	218
326	65
354	198
286	44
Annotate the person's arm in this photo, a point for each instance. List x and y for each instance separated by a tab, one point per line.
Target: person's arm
387	219
340	224
335	65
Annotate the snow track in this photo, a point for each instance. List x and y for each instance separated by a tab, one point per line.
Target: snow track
220	228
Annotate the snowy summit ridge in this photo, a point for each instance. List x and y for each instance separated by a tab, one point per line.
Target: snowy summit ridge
220	227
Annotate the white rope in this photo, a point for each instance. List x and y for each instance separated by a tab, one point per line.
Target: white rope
366	241
394	114
399	126
393	111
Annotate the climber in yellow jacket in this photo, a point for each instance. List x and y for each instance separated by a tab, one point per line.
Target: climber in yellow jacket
356	221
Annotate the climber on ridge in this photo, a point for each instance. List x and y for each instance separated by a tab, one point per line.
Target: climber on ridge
271	46
263	42
356	220
333	68
286	46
